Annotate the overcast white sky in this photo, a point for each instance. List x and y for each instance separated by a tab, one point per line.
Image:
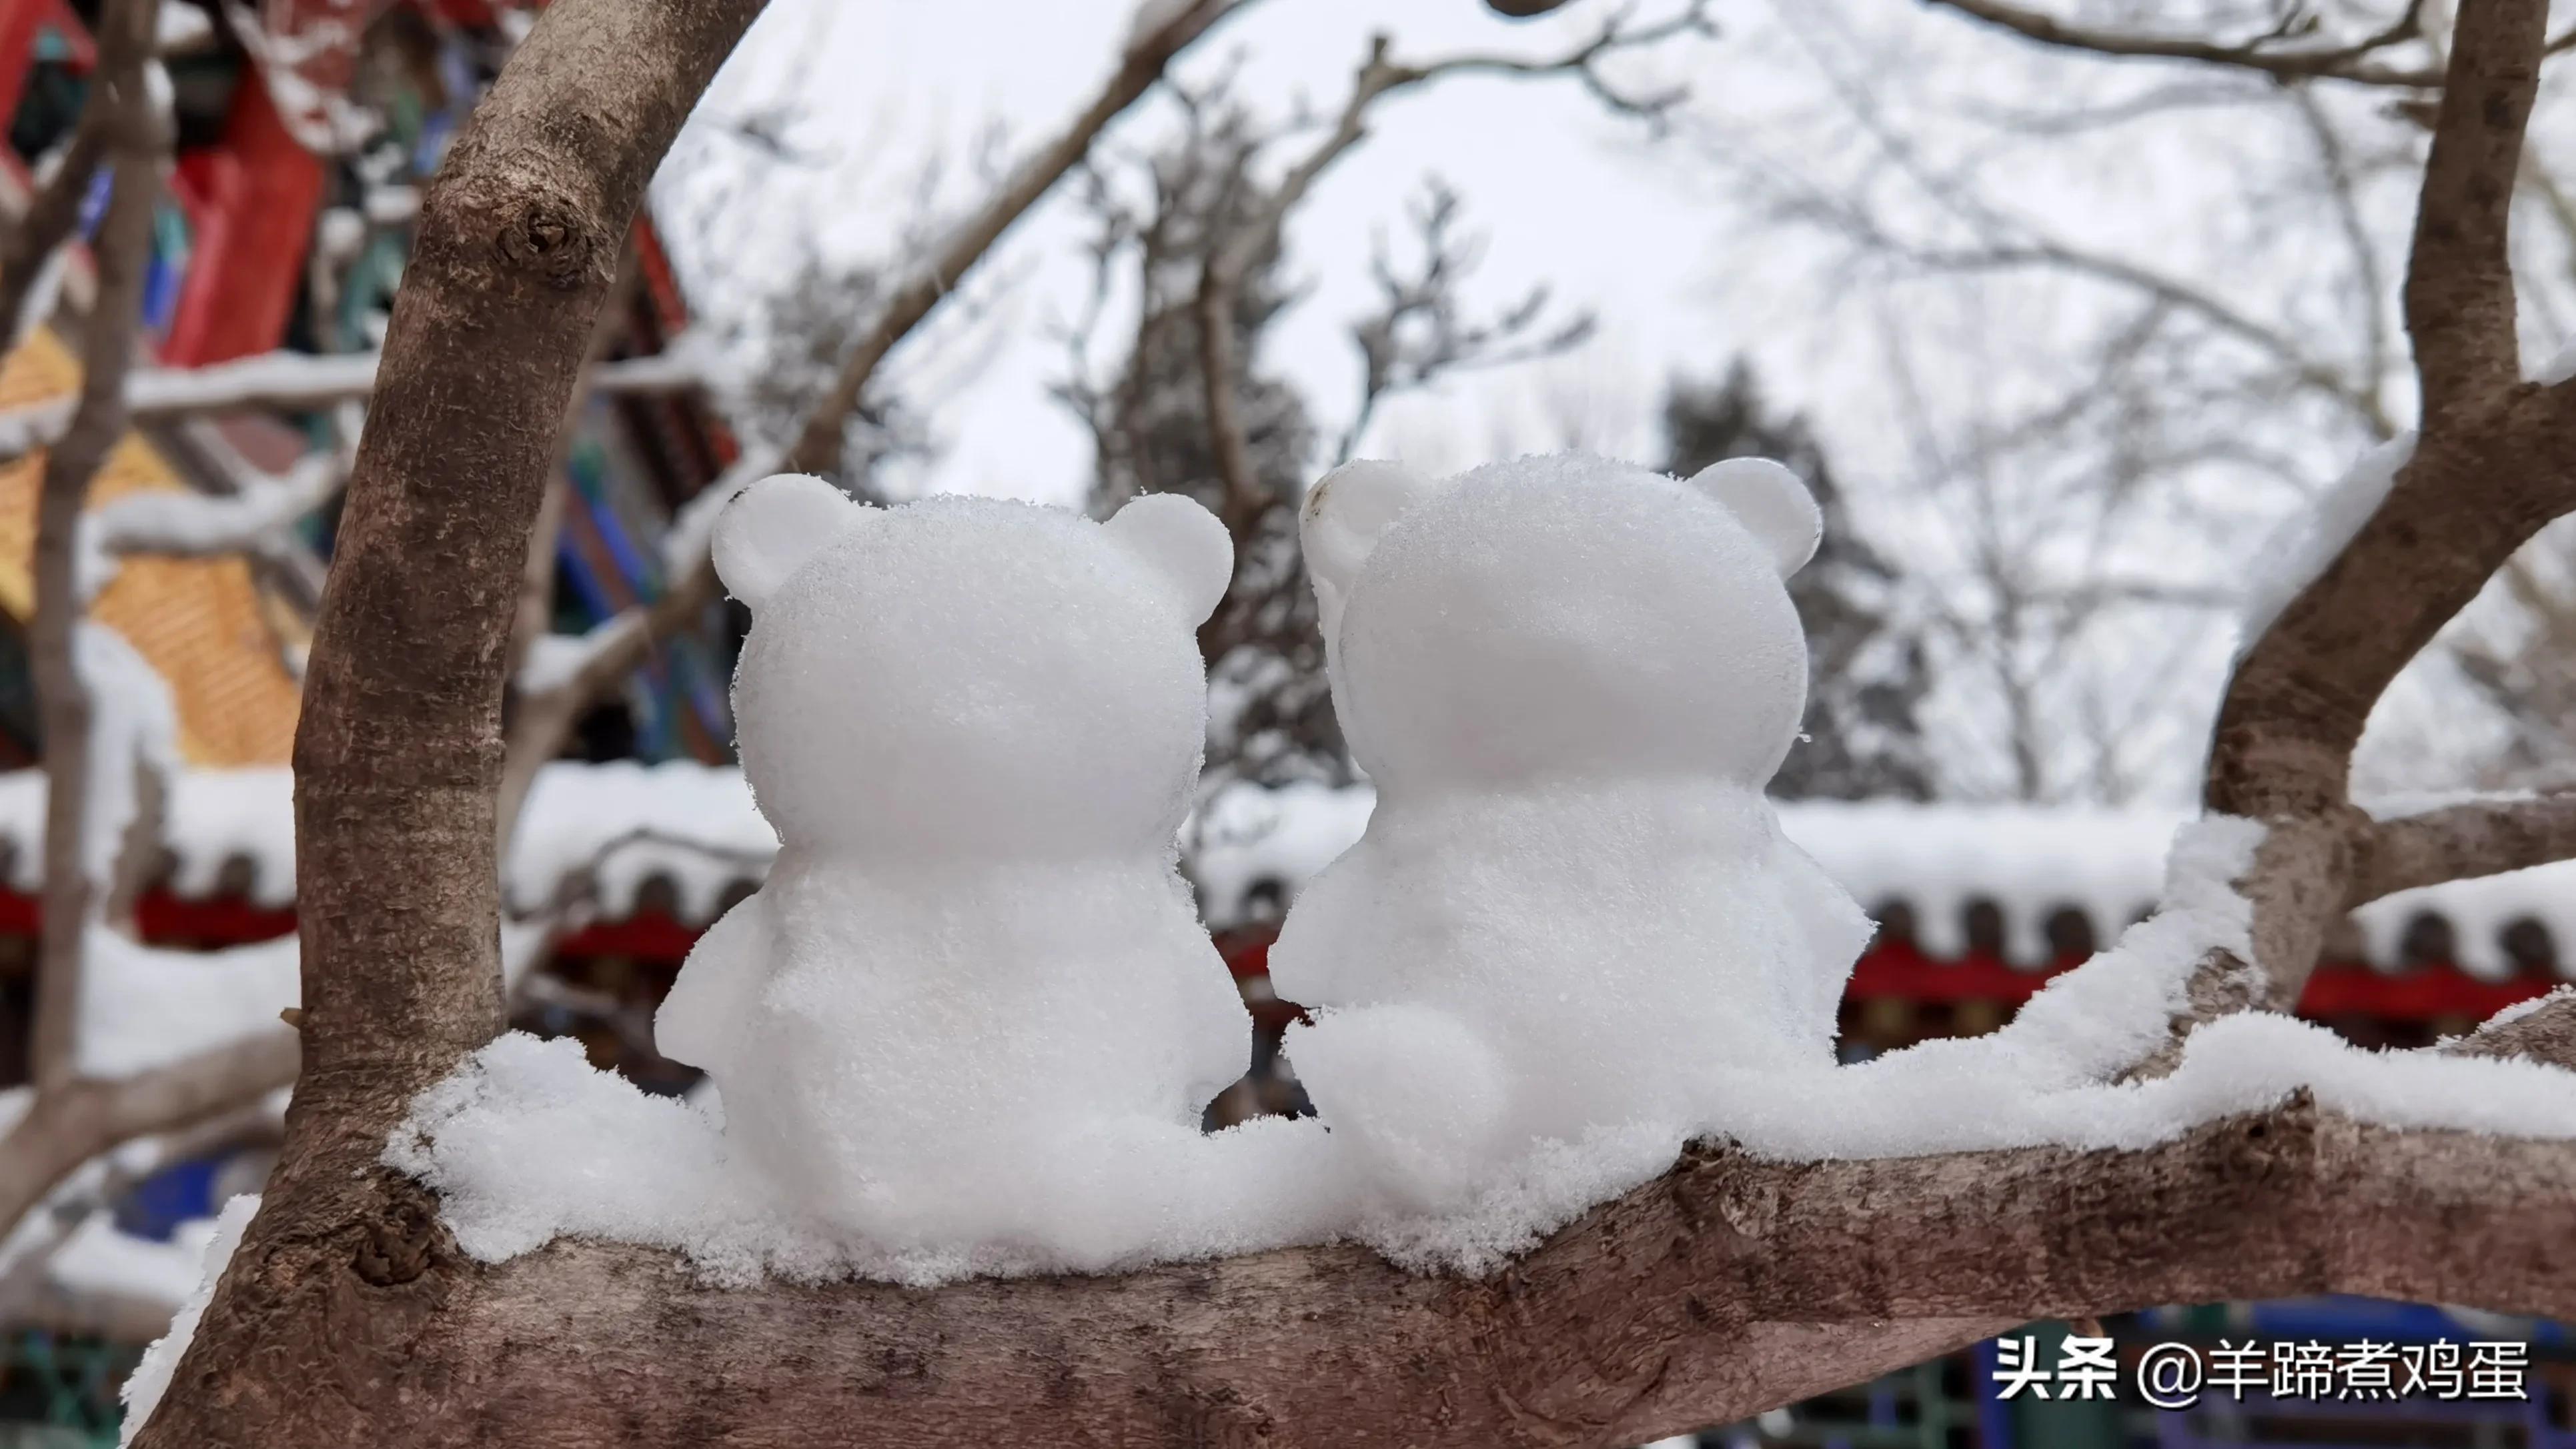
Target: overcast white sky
1565	192
1677	248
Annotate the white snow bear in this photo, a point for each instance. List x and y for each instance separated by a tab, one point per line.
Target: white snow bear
1572	912
973	1002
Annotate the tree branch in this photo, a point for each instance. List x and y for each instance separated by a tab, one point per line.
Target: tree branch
552	699
304	382
73	895
1221	275
398	756
52	216
818	442
1726	1287
73	1125
2491	468
2353	62
2459	842
2459	280
2324	377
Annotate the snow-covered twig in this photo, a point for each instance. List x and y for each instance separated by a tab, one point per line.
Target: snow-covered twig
1162	32
204	525
99	719
293	381
558	680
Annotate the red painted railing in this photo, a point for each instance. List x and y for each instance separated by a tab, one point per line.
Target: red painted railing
1892	971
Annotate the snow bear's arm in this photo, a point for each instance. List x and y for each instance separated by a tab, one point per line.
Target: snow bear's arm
1837	930
724	969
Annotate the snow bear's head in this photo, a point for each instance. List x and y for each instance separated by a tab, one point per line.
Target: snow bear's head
966	676
1562	617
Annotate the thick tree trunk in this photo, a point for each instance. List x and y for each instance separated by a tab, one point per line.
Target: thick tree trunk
315	1336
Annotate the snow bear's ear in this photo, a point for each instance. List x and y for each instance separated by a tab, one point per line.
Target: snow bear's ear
772	527
1772	503
1343	515
1183	543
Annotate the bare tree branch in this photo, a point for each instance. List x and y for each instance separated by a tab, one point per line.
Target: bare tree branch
51	217
818	444
1243	500
2459	282
1417	337
551	701
135	142
1223	272
2358	394
2459	842
2354	62
72	1125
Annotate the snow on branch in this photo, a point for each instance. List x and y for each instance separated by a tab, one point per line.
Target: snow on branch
203	525
303	381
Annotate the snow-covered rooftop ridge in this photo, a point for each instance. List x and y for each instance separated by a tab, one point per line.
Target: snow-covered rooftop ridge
689	835
615	830
1941	861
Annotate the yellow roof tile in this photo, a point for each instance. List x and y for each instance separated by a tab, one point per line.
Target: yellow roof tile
201	622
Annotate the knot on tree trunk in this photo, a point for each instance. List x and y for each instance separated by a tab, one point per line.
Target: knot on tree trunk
551	242
400	1242
1716	1183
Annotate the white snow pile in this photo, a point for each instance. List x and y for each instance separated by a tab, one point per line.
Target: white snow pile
967	1025
151	1379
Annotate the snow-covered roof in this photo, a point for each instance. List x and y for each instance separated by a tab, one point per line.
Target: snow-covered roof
2029	883
681	836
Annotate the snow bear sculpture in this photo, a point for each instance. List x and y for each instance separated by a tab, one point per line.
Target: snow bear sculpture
973	1000
1572	913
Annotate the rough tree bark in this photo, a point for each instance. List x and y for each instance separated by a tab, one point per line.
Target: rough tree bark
1726	1286
316	1335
